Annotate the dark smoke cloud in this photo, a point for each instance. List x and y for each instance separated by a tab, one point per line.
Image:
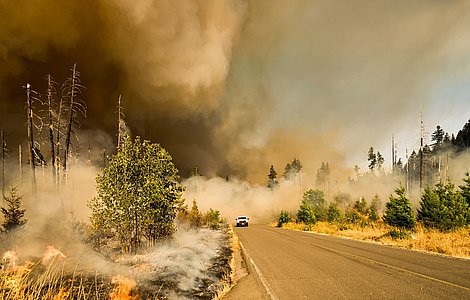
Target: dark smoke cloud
234	86
168	59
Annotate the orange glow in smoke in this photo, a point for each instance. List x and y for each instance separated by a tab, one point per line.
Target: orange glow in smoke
123	289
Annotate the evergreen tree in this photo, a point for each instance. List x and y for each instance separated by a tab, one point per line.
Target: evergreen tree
372	159
465	189
333	213
272	178
438	136
288	173
323	174
296	165
291	169
443	208
361	206
195	216
399	212
462	140
379	160
138	195
12	213
374	208
399	167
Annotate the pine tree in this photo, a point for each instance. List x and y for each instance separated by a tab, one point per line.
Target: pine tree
288	173
292	169
465	189
12	213
372	158
373	210
361	206
333	213
380	160
399	212
272	178
462	140
438	135
195	216
323	174
443	208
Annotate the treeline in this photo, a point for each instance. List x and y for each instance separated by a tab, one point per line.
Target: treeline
430	164
443	207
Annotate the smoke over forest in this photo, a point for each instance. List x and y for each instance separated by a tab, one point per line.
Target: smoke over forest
227	85
235	86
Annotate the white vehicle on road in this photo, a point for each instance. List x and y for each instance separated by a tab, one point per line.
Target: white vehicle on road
242	221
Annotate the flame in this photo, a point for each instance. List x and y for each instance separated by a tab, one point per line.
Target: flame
123	289
14	279
52	253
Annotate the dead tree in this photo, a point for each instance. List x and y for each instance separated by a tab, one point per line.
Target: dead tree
3	163
33	121
58	137
72	92
32	164
20	163
50	91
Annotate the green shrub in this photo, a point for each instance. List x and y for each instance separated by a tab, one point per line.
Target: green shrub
284	218
212	219
398	234
333	213
306	214
443	208
373	210
399	212
316	200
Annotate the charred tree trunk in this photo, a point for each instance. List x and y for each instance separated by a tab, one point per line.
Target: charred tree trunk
3	165
68	133
20	162
51	126
57	143
29	104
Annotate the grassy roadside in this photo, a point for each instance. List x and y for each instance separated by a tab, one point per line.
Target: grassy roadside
455	243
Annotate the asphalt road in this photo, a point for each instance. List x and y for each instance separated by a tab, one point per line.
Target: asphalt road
285	264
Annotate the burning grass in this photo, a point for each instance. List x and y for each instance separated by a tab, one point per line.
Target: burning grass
48	278
456	243
191	266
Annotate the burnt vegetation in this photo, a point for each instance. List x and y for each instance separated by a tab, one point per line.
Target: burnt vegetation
137	210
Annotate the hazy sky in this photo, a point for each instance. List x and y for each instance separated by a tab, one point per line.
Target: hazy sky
235	86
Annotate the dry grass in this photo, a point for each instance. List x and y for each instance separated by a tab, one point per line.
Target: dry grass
229	280
50	277
456	243
37	281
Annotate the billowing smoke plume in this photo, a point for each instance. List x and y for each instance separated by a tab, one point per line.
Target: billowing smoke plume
235	86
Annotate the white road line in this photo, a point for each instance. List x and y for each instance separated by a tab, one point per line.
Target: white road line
268	288
391	266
